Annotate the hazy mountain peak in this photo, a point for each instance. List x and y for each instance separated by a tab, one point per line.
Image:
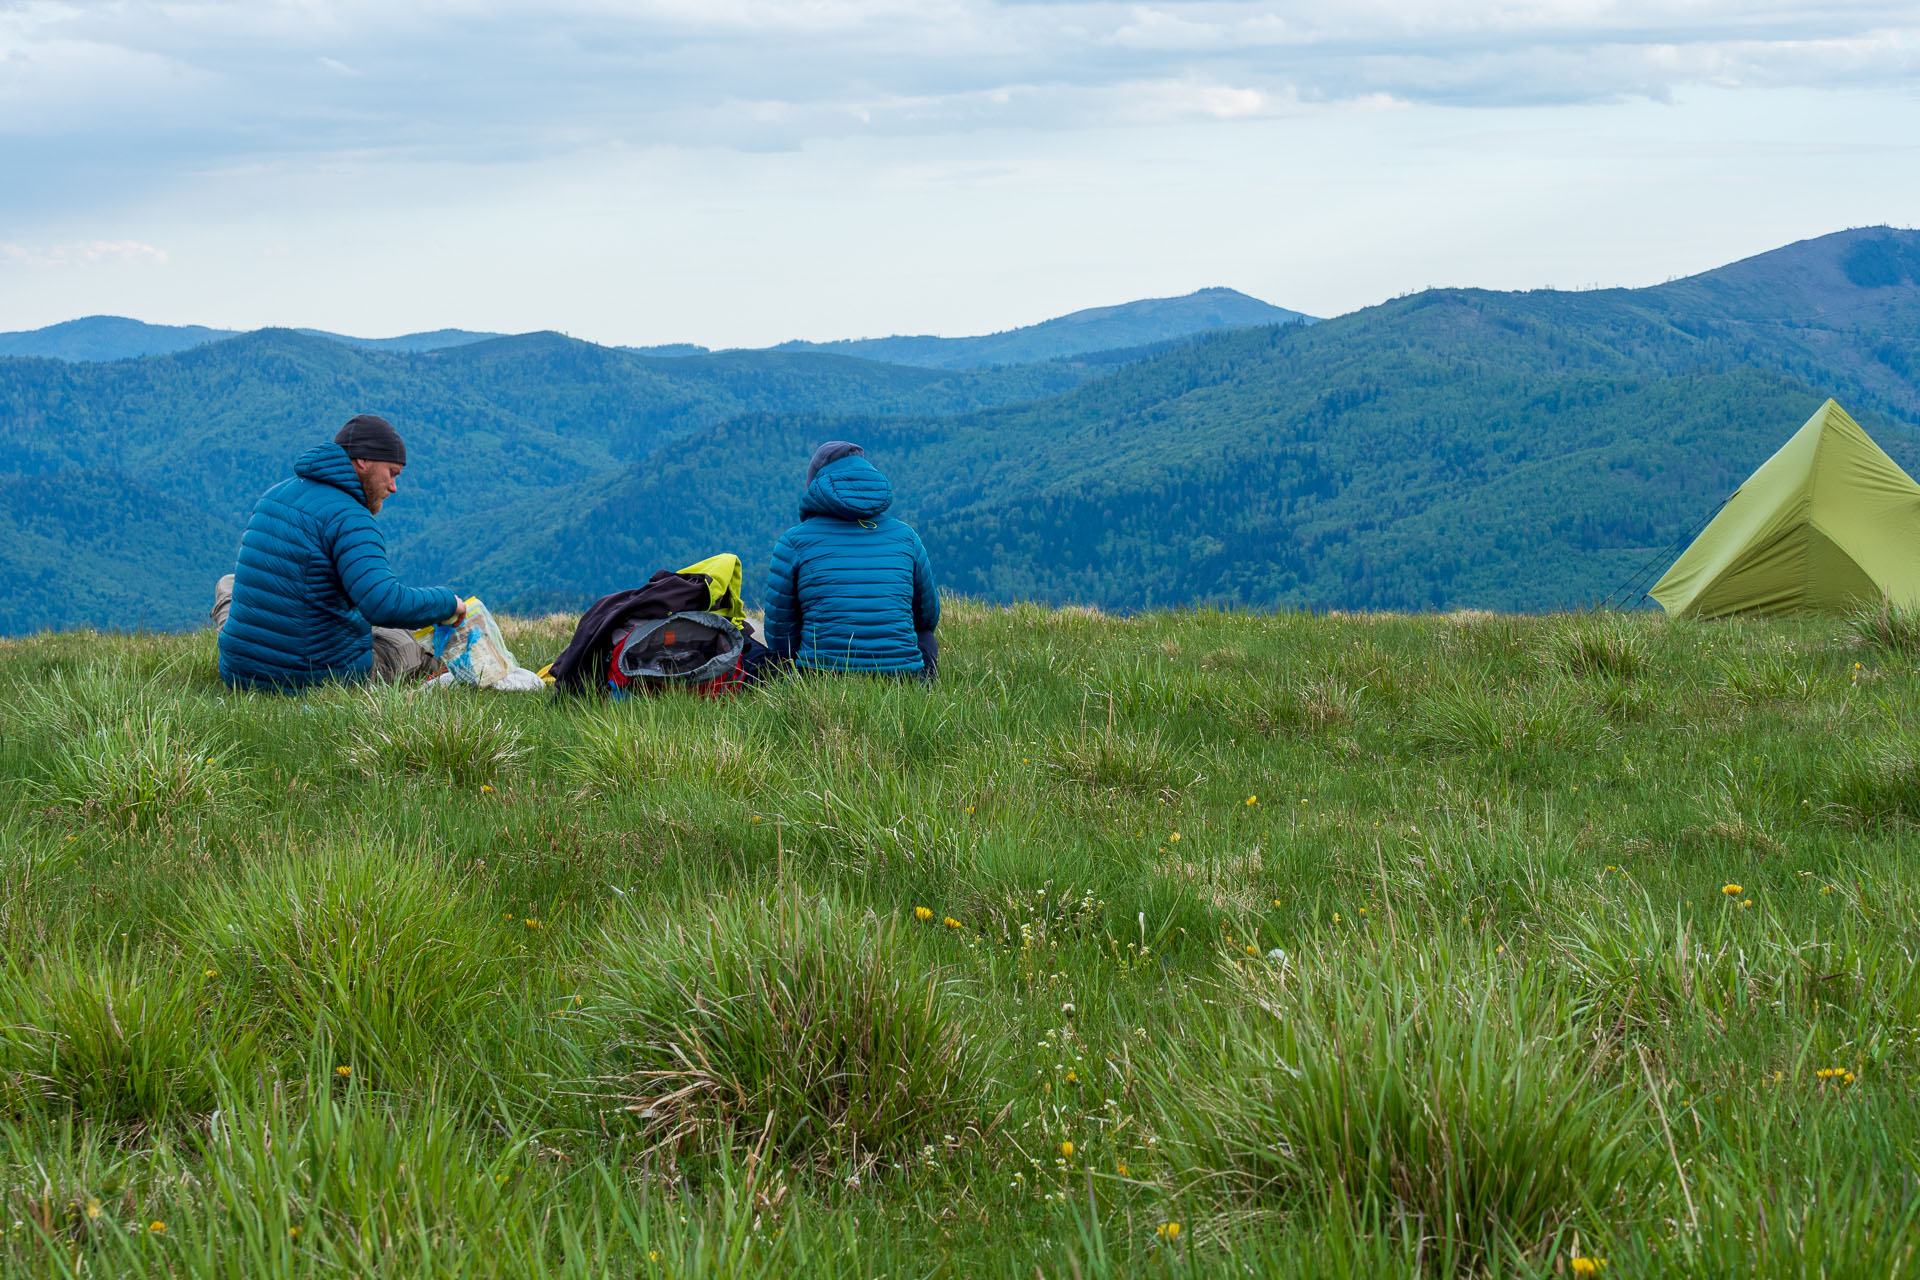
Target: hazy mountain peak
1845	277
107	338
1140	323
94	338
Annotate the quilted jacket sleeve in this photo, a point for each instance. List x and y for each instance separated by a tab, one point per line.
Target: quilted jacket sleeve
360	558
926	597
783	598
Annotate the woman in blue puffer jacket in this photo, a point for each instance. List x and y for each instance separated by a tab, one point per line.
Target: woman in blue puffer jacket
851	589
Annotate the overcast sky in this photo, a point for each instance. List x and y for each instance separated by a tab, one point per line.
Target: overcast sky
738	172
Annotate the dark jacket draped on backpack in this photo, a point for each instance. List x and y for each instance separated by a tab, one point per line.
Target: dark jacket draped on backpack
851	586
582	665
313	581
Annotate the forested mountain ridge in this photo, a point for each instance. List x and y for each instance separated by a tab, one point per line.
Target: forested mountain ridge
1455	447
119	338
181	446
1142	323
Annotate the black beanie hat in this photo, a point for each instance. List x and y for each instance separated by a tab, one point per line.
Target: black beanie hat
372	439
831	451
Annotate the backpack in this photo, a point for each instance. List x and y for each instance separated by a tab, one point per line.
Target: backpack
689	649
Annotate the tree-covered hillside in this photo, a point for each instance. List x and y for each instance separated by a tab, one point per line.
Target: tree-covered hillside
124	486
1453	448
1458	447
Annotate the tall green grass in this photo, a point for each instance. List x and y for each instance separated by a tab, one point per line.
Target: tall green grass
1434	1084
801	1026
1252	944
376	954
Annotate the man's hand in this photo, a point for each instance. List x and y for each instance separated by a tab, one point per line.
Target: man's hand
459	613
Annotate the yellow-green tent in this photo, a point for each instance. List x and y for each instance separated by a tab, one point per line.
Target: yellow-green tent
1828	522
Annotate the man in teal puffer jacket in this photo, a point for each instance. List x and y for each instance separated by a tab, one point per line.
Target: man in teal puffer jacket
851	589
312	598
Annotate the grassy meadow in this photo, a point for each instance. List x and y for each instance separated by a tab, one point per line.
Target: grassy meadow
1182	944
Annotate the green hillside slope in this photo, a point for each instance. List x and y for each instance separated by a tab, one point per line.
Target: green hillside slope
1458	447
90	547
1453	448
488	424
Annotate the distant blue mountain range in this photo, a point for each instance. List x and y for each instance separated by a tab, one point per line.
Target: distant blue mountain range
119	338
1447	449
1128	325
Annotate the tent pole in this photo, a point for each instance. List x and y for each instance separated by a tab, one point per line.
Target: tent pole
1659	557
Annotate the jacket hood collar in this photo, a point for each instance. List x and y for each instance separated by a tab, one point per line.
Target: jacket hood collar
847	489
329	464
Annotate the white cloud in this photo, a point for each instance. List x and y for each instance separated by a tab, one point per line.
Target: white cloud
232	78
298	151
83	253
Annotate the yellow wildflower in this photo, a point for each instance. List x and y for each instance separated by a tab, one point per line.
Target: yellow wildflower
1174	836
1745	903
1586	1266
923	913
1252	950
1123	1170
293	1232
951	923
1168	1231
210	973
93	1208
1071	1078
532	923
1066	1150
1731	890
157	1228
343	1071
1252	801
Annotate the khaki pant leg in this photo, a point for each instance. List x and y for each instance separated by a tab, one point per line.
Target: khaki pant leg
398	657
222	602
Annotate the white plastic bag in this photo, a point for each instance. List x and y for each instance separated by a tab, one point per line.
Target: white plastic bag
518	680
473	649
